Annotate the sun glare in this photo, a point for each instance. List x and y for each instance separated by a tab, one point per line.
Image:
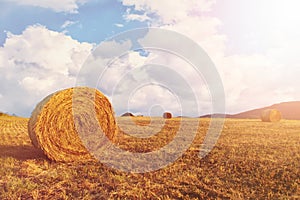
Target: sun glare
281	14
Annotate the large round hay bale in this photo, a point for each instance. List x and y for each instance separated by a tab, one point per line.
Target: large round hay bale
167	115
270	115
62	121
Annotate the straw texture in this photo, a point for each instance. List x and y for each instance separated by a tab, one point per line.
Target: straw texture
270	115
65	124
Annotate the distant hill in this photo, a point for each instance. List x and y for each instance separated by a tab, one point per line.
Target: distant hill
289	110
217	115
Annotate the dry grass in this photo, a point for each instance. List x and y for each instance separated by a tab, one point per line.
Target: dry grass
142	121
252	160
62	120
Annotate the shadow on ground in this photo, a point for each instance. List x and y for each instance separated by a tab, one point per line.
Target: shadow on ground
23	152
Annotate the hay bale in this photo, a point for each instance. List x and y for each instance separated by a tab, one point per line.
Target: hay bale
127	114
270	115
57	123
4	114
167	115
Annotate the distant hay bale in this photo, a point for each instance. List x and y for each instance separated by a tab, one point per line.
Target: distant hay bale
270	115
4	114
57	120
127	114
167	115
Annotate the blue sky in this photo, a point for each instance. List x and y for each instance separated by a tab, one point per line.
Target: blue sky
94	22
254	46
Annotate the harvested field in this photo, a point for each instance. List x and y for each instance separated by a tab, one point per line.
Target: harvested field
251	160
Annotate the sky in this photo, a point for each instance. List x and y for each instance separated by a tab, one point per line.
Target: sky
46	46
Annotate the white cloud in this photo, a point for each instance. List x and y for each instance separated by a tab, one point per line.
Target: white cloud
168	12
68	23
119	25
40	61
136	83
36	63
129	16
185	17
70	6
143	99
250	80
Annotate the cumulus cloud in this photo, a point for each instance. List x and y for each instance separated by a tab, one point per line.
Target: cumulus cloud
36	63
250	80
166	11
138	81
70	6
40	61
187	18
129	16
68	23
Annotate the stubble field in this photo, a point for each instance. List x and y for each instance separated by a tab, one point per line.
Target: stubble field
251	160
